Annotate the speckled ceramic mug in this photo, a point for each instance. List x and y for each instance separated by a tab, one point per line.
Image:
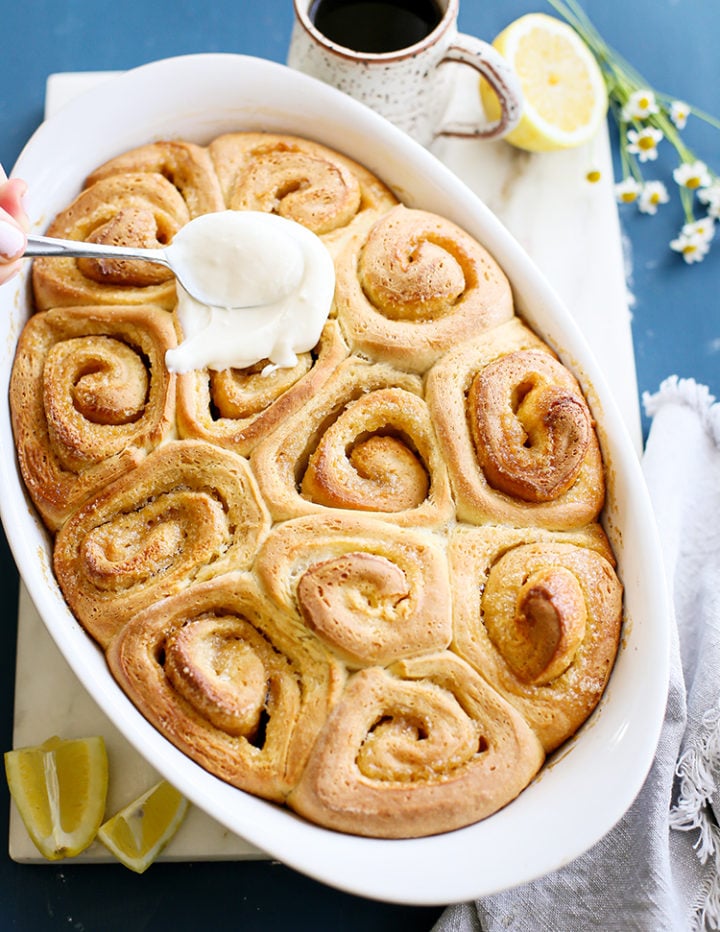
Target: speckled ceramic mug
409	86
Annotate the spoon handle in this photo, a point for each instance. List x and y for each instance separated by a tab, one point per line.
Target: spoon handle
47	246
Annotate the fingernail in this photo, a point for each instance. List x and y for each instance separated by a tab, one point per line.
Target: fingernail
12	240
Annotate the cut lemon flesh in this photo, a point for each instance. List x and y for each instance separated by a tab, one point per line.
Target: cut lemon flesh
60	788
565	98
137	834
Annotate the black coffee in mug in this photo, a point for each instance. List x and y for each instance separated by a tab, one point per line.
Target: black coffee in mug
375	26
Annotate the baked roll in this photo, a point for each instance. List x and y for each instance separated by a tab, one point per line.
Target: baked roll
539	618
372	592
365	443
236	408
185	165
229	681
421	747
300	180
89	397
139	199
516	432
415	286
187	513
371	587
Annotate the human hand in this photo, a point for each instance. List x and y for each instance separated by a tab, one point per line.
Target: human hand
13	223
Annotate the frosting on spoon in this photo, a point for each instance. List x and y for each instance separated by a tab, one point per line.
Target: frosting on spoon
269	284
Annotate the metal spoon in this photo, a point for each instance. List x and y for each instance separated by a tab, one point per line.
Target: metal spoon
48	246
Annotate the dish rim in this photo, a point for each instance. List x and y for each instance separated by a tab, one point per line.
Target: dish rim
402	871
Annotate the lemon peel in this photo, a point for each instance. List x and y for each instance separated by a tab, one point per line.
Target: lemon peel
138	833
60	790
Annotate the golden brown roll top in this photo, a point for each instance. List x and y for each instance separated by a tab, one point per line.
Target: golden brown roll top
187	513
236	408
539	618
185	165
516	433
364	443
422	747
229	681
300	180
89	396
139	199
415	286
372	592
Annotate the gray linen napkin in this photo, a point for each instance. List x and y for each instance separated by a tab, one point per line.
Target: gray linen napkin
659	868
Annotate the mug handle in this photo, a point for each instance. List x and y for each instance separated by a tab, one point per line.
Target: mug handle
487	61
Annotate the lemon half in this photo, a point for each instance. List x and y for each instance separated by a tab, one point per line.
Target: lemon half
565	97
60	788
137	834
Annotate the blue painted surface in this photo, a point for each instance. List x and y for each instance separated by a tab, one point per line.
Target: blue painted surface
676	330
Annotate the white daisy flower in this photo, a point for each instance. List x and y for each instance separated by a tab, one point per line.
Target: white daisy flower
628	190
652	195
692	175
644	142
692	248
703	228
640	105
710	196
679	113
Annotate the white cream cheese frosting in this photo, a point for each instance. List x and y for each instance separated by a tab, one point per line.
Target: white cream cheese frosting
269	283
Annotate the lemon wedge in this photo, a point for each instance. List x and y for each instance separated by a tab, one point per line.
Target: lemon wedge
60	788
565	94
137	834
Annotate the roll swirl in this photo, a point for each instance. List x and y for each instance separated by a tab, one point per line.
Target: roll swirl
516	432
187	513
415	286
228	681
236	408
422	747
185	165
128	210
140	198
89	398
372	592
300	180
540	619
364	443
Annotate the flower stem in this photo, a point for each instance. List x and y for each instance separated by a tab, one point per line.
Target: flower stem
621	78
626	87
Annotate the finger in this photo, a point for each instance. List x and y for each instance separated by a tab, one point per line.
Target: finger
12	238
11	200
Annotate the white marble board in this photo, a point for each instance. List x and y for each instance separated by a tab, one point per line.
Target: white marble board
568	226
